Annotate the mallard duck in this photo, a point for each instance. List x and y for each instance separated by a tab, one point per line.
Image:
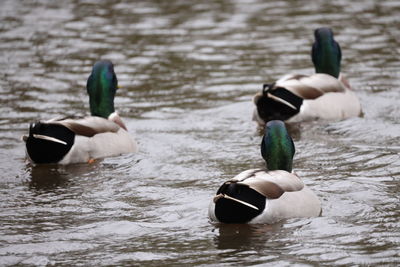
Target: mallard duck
266	195
324	95
71	140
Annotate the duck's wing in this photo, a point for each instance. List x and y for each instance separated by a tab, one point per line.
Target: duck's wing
344	81
310	87
271	184
114	117
88	126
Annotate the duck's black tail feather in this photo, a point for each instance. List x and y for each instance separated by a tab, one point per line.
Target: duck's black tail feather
277	103
237	203
48	143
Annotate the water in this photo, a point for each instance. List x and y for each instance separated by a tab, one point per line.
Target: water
188	71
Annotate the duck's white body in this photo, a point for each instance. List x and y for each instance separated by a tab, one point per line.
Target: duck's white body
295	200
95	137
330	106
100	146
324	97
299	204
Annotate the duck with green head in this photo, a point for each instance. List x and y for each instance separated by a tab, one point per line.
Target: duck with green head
324	95
266	195
77	140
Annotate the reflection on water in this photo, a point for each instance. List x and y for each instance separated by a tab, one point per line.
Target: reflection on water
188	71
45	177
51	176
244	236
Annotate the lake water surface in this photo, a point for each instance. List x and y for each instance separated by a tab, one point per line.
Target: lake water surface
188	71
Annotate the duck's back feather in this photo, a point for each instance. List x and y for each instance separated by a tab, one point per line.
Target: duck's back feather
310	87
88	126
271	184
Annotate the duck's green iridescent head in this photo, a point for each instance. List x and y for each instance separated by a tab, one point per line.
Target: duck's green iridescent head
277	147
101	86
326	54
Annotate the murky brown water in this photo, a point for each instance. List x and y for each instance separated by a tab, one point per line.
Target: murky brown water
188	70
